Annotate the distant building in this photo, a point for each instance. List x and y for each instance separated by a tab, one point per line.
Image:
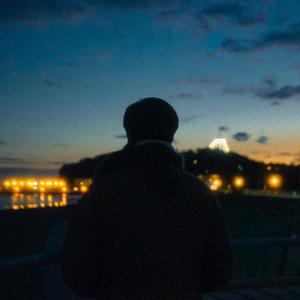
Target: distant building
219	144
34	185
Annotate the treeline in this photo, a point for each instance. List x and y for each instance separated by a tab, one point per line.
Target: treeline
205	162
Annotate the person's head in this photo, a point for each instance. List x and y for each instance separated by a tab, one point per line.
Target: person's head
150	119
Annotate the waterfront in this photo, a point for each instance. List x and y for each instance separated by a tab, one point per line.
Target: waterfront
18	201
26	233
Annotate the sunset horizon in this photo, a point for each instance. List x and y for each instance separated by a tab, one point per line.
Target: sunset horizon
69	71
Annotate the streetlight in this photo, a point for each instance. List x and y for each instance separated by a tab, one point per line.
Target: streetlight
215	182
274	181
239	182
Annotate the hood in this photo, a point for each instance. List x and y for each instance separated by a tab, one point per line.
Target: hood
143	155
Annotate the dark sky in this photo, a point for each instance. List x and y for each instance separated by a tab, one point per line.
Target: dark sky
70	68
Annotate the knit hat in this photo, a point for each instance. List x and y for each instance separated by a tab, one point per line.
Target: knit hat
150	119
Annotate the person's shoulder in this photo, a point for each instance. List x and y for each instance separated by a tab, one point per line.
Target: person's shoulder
109	163
196	184
109	176
193	179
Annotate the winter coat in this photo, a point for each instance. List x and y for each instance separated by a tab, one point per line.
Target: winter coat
146	230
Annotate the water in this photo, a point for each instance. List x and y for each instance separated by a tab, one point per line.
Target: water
39	200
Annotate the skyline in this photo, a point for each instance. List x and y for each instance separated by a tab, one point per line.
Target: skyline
69	70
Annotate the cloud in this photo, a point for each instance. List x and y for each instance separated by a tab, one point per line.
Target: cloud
136	4
289	37
3	143
286	153
59	163
99	55
103	54
235	13
49	83
268	91
296	67
202	17
223	128
297	159
61	145
234	45
195	15
69	64
262	140
293	155
183	16
223	9
275	103
28	172
35	11
204	81
190	119
238	90
185	95
259	152
241	136
121	136
171	14
283	93
10	160
270	82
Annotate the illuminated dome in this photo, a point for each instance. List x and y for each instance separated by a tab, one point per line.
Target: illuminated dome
219	144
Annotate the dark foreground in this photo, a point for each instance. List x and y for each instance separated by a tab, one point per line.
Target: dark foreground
25	232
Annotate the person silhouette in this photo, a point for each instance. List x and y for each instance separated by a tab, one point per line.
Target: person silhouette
147	229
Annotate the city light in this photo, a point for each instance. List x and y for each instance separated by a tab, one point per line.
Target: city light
274	181
215	182
82	184
44	185
83	189
239	182
33	185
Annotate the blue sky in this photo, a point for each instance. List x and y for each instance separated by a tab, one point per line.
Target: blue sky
70	68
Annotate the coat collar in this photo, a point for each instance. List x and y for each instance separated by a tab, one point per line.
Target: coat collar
143	154
166	144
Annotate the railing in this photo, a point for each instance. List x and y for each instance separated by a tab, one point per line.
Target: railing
51	257
273	193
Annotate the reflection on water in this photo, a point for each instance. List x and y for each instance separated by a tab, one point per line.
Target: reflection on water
22	201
